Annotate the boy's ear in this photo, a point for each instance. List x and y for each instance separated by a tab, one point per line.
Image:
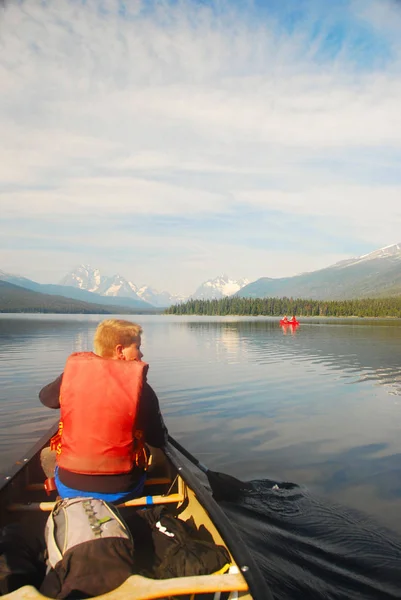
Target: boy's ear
118	352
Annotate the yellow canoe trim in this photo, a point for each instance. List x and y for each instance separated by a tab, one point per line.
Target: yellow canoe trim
137	587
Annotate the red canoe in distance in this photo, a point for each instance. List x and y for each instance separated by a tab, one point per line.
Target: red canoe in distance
285	323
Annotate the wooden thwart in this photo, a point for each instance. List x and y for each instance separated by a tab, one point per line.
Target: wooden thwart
142	588
37	487
143	501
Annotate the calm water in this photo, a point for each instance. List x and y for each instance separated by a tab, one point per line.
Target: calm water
320	407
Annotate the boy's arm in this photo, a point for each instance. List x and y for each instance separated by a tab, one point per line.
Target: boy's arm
150	419
50	394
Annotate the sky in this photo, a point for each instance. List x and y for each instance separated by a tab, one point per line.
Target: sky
173	141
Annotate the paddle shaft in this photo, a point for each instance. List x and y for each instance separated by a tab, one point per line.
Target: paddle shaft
223	486
187	454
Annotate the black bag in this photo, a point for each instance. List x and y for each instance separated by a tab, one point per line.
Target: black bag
180	549
90	569
21	559
90	549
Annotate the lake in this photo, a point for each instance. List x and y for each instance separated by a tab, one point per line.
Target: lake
319	406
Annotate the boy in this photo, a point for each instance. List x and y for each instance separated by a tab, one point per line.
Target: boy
108	412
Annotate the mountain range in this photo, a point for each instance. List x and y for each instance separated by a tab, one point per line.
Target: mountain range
377	274
15	299
74	293
87	284
84	277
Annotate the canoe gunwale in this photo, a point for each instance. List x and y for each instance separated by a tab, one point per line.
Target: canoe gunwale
9	474
257	585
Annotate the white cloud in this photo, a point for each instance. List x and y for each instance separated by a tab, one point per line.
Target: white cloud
179	111
110	197
335	202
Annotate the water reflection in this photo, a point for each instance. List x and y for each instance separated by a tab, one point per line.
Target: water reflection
288	328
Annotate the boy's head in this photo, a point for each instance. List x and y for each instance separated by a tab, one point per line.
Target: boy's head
118	339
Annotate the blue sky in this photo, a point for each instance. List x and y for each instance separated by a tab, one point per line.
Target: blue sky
174	141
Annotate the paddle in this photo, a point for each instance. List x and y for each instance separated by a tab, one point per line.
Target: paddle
224	487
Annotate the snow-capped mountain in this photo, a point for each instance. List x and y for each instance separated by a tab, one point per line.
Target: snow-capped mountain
87	278
77	291
117	285
392	252
84	278
218	288
159	298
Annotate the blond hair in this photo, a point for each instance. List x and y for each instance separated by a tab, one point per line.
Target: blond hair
112	332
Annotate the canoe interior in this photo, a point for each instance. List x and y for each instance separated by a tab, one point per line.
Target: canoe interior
23	500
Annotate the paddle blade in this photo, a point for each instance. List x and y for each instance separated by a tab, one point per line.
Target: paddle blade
225	487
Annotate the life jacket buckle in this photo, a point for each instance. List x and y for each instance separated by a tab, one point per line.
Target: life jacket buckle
50	485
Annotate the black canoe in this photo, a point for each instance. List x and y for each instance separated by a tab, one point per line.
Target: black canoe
23	500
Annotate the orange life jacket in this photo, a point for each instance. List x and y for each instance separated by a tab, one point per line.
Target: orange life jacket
99	400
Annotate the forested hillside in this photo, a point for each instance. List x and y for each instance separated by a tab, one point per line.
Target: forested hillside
373	307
